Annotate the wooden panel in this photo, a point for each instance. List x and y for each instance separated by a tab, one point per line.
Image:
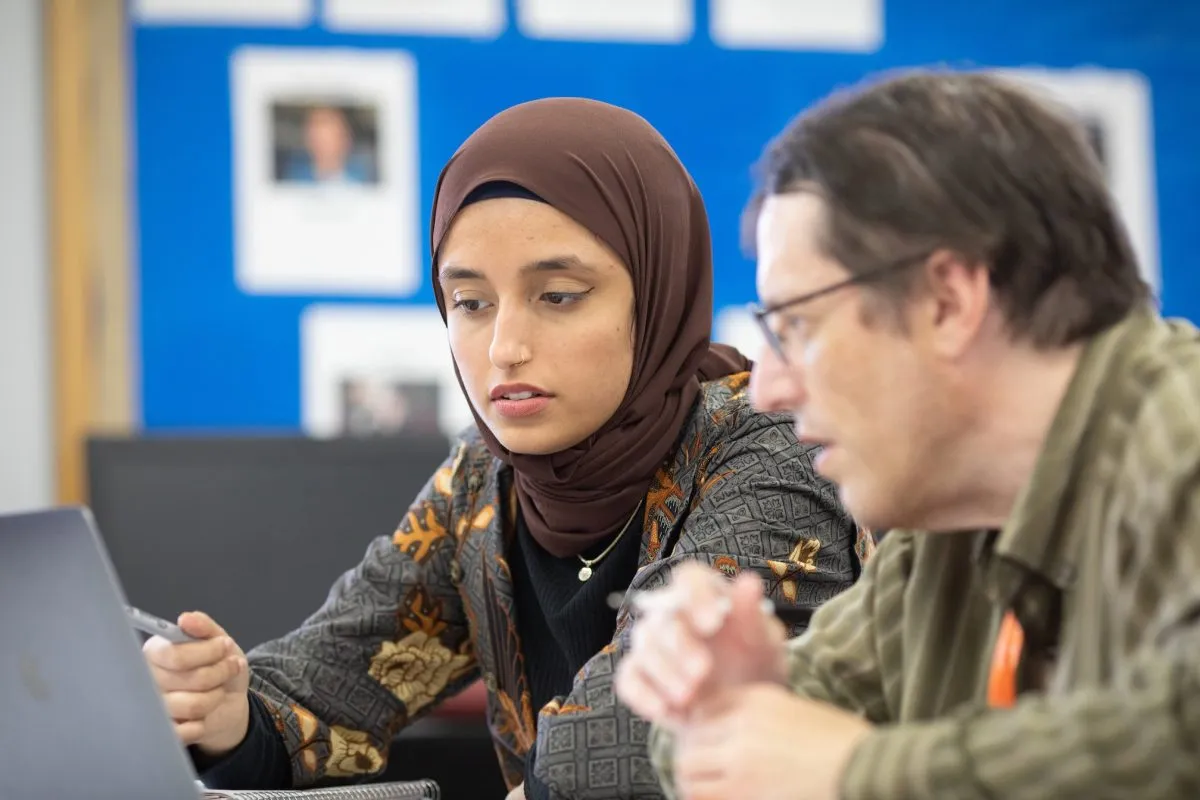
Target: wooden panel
89	224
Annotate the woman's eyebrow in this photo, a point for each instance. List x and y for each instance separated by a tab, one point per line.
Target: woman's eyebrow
453	273
552	264
558	264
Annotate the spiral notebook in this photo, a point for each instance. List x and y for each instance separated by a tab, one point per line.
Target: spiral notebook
395	790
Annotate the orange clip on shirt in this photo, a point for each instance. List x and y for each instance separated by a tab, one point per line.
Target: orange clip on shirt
1006	658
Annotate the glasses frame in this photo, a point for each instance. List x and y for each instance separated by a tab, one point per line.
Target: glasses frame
762	313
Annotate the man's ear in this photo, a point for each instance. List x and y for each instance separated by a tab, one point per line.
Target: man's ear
954	304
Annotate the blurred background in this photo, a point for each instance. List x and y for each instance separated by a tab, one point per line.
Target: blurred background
216	320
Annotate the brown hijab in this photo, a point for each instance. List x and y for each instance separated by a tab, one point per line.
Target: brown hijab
613	173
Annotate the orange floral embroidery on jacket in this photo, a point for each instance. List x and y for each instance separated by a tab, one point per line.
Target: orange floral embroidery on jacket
416	536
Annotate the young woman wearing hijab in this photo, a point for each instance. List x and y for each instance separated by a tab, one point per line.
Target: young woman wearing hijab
572	263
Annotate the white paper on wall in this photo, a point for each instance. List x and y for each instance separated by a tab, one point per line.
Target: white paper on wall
735	326
291	13
825	25
610	20
1115	106
376	368
325	172
471	18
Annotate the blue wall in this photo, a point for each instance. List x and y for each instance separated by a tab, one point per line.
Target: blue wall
216	358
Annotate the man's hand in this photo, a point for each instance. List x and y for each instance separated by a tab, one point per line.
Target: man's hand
700	634
765	742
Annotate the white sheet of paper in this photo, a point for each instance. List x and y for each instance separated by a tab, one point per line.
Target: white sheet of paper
733	325
827	25
609	20
476	18
1118	102
222	12
380	342
326	236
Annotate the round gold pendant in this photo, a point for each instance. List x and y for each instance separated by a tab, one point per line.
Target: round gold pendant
585	572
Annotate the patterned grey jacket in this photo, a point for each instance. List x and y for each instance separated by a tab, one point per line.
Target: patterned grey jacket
431	608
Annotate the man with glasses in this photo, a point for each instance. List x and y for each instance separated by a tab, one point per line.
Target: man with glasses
954	312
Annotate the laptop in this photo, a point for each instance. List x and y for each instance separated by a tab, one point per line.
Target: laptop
83	715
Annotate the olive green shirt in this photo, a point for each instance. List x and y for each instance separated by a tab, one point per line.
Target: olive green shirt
1100	562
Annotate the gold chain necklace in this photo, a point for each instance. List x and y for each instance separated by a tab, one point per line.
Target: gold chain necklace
585	571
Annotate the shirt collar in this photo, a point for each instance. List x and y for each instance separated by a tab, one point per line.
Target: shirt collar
1039	536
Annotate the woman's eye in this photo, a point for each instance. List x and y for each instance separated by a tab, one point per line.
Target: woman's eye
468	305
563	298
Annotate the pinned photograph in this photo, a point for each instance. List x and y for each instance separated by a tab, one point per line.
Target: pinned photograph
374	406
326	172
325	142
1114	107
368	370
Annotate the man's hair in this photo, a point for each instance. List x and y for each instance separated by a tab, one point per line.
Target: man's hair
969	163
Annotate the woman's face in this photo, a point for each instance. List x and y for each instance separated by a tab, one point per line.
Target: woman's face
540	317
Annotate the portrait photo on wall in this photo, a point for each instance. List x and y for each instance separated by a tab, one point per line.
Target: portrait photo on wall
326	178
1114	106
374	405
378	370
323	141
1096	137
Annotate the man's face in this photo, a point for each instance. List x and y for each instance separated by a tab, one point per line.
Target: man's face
328	137
857	383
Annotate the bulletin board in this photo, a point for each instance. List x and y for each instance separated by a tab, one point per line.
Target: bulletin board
239	331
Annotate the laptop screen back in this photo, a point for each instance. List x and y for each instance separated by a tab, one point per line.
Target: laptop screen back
82	715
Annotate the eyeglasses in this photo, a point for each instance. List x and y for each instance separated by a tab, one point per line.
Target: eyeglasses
763	314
